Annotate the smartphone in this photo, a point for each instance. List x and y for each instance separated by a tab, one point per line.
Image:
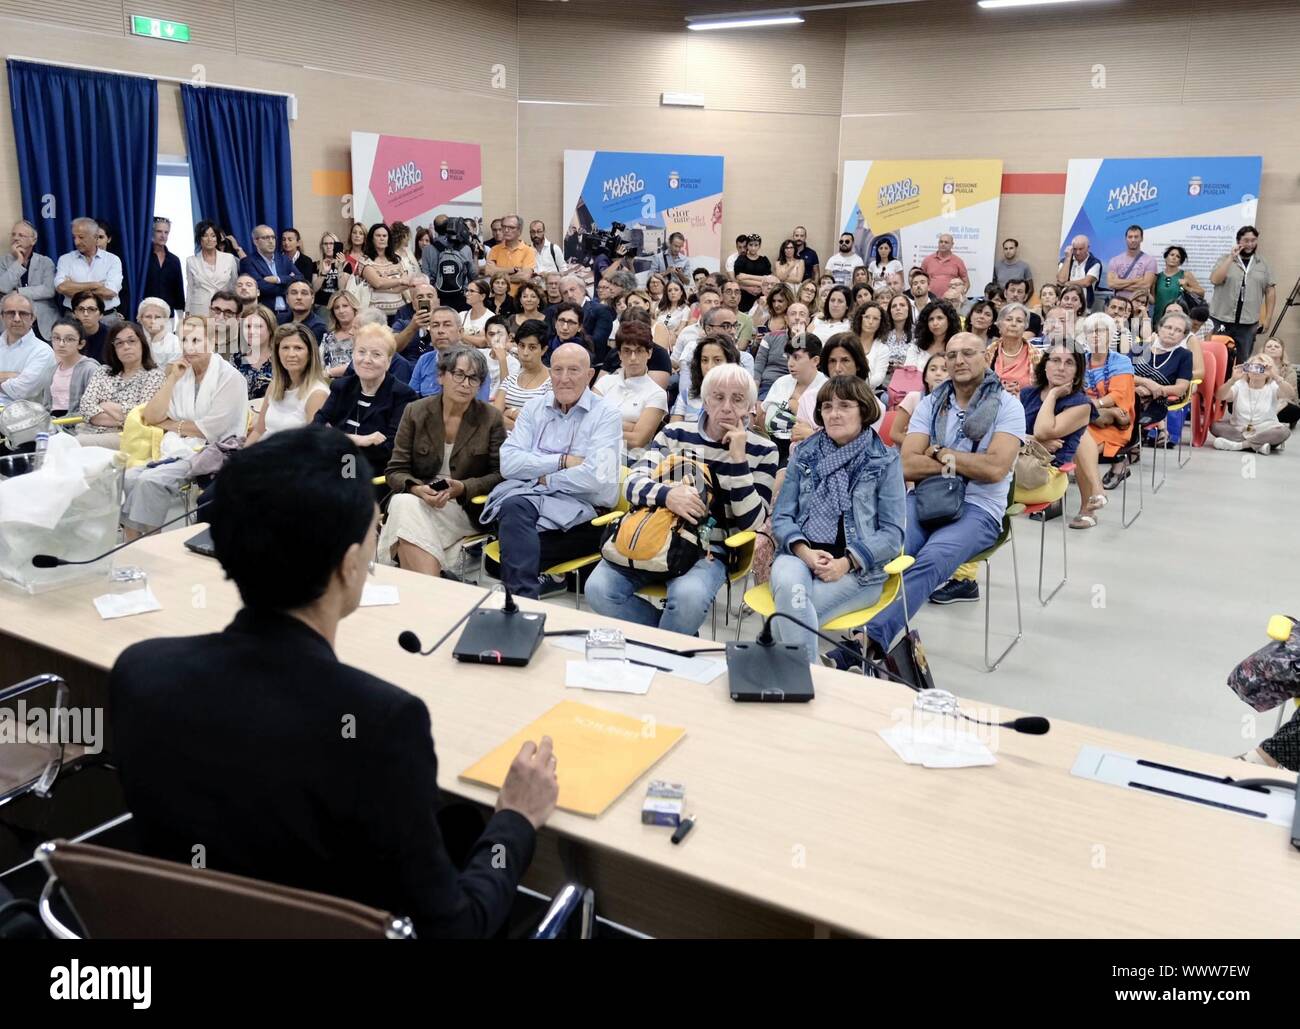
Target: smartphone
439	485
423	304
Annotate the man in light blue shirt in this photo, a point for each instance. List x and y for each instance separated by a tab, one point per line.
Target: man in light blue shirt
561	462
87	269
444	331
26	363
977	437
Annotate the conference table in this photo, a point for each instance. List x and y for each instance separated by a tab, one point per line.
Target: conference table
809	825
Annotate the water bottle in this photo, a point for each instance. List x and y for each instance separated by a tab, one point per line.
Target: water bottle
42	445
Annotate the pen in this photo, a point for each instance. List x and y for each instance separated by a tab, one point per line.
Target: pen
687	824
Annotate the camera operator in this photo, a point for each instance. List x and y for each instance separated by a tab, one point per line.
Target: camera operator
449	261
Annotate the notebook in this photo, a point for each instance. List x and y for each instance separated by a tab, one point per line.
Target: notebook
600	754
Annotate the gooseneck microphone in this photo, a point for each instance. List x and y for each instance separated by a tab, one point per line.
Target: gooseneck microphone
50	561
410	642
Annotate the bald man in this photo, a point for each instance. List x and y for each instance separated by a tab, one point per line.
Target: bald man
271	267
561	466
980	444
1080	268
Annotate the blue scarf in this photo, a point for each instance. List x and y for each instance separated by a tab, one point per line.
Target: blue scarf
981	412
835	469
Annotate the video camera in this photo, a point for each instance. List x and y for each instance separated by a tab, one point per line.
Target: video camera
457	233
602	241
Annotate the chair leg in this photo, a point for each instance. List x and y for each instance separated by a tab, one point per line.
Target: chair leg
988	598
1191	428
1123	512
740	617
1042	557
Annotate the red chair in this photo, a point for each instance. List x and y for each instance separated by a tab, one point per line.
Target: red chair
887	427
1210	409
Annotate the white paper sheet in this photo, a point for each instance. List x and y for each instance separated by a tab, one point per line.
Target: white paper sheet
119	605
934	747
375	595
695	669
608	676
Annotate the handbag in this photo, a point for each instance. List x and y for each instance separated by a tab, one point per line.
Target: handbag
939	499
1271	675
1033	466
905	380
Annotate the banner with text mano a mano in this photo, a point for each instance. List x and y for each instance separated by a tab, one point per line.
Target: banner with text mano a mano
398	178
1197	203
654	195
912	203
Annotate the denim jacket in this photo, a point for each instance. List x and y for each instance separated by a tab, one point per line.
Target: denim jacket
874	532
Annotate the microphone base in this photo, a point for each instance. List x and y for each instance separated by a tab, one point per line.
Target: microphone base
775	674
500	637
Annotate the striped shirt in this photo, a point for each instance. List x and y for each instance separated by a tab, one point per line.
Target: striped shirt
742	491
517	396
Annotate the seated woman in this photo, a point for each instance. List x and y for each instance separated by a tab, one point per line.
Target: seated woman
474	318
1289	412
835	313
780	408
1165	374
1108	381
155	317
447	451
127	378
532	307
772	359
503	305
867	323
202	401
841	355
937	324
982	320
706	355
73	370
934	372
1057	411
742	464
1254	389
840	515
533	379
368	405
88	308
642	402
1011	358
298	384
256	330
336	344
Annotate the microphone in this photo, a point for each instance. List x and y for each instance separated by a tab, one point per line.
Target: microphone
1030	725
50	561
410	642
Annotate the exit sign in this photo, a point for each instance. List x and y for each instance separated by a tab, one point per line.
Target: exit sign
176	31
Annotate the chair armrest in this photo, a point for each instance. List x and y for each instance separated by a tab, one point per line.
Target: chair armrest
609	518
1015	509
572	900
481	499
379	480
900	564
71	419
739	539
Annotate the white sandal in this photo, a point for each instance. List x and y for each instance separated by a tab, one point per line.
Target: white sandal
1083	521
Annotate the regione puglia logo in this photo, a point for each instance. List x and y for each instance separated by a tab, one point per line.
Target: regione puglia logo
443	172
673	180
949	186
1194	186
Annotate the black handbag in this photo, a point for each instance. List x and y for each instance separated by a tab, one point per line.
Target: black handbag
939	499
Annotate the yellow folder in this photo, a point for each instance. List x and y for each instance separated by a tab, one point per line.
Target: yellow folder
599	754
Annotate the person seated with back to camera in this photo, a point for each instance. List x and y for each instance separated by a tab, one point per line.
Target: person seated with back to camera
1254	389
840	516
447	451
354	815
742	464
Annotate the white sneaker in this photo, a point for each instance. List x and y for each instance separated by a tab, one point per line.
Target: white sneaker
1265	449
1226	444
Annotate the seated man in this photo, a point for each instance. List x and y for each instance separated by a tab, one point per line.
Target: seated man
743	465
968	426
303	801
444	331
300	300
203	400
24	271
560	465
26	364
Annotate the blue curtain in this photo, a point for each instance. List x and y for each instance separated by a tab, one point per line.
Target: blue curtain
240	163
87	144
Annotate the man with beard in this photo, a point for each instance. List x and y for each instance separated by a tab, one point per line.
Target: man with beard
1244	293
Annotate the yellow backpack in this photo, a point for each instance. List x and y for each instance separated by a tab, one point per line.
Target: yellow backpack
655	539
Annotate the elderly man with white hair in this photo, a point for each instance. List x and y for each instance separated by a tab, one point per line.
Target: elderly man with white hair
561	465
1079	267
597	314
88	269
26	363
24	271
743	465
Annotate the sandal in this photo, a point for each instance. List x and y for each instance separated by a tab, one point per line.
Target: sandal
1117	474
1096	502
1083	521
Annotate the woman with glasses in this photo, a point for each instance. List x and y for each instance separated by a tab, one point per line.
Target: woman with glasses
72	369
473	320
568	329
447	451
642	402
210	270
1057	412
127	379
88	309
533	378
790	268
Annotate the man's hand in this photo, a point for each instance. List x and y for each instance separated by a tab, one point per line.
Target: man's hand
17	251
685	502
531	787
736	439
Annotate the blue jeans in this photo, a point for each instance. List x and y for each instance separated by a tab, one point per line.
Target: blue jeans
798	593
611	590
525	551
938	553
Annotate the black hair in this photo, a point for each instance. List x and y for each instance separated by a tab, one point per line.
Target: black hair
1138	228
369	248
842	291
110	345
848	387
87	295
533	328
1176	249
924	337
1040	369
309	485
809	343
849	343
203	227
290	228
1245	229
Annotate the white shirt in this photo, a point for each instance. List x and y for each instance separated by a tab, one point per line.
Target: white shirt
633	396
731	263
472	325
291	411
1254	407
34	362
824	330
779	396
550	258
840	267
494	367
879	273
103	267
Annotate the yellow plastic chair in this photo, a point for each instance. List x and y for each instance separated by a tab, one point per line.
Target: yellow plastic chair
1164	471
760	601
741	556
1038	502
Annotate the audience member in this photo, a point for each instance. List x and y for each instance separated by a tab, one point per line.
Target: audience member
164	277
128	378
1254	389
1011	358
642	403
790	267
384	272
835	313
1108	380
72	368
1010	268
943	266
298	387
450	265
811	262
512	256
533	379
155	316
330	275
841	265
255	362
772	360
88	309
1244	293
270	268
1057	411
933	373
1079	267
444	331
88	268
30	274
1289	412
753	273
707	354
883	262
548	258
247	293
1132	270
336	343
299	300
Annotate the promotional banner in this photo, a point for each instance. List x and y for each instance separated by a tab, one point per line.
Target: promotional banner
914	202
1196	202
397	178
651	195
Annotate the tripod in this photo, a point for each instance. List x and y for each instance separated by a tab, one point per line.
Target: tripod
1291	301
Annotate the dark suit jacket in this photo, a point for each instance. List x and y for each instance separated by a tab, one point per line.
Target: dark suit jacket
383	415
256	265
311	321
597	321
165	281
284	764
475	459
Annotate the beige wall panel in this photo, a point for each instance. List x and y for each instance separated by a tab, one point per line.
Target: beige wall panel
1262	61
